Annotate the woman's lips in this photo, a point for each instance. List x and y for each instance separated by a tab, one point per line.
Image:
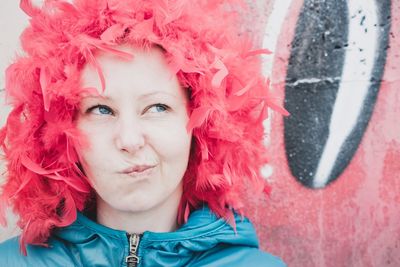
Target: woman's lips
138	170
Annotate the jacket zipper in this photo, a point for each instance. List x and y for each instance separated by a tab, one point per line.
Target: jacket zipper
132	260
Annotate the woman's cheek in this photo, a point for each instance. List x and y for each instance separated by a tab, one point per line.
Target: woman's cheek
93	154
171	139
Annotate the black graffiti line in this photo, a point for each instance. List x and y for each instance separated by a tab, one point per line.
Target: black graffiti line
325	48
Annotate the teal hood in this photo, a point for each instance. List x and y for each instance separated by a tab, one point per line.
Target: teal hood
204	240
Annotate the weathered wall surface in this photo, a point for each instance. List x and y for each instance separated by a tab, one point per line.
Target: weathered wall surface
335	168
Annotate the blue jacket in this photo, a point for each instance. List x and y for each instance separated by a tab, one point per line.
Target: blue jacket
204	240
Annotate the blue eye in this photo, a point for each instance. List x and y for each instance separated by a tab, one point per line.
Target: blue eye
157	108
100	110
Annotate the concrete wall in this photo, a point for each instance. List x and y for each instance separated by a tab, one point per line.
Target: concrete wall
335	165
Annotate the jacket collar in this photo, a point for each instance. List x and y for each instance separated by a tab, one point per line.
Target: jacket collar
202	225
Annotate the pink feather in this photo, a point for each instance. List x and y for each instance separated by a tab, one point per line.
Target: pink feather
28	8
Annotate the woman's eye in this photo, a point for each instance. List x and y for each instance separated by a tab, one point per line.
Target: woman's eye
100	110
157	108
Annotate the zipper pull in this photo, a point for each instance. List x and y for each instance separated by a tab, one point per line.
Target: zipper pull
132	260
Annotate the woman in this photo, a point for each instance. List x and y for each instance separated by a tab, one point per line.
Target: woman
136	133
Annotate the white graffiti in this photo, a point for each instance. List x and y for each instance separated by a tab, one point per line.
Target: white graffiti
355	82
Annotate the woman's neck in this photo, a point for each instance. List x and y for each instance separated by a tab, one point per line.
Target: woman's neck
161	218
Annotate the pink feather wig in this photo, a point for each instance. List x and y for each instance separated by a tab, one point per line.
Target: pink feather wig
203	45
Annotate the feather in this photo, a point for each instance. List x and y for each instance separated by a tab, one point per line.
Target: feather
29	164
77	184
92	60
69	213
197	118
257	52
111	35
22	185
246	88
44	83
28	8
273	105
187	212
220	74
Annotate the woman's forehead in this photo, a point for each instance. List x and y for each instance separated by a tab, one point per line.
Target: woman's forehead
147	74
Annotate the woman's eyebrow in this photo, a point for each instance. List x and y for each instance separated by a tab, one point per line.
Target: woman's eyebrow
94	97
142	96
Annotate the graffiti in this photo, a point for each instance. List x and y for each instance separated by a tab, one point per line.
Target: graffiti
333	78
334	165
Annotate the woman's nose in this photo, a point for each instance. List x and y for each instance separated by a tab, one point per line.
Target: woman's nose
129	136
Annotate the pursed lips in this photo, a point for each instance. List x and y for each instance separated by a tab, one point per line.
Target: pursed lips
137	169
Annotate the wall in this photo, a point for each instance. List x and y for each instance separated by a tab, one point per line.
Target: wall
335	166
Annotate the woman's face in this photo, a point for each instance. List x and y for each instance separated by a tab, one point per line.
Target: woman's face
138	144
